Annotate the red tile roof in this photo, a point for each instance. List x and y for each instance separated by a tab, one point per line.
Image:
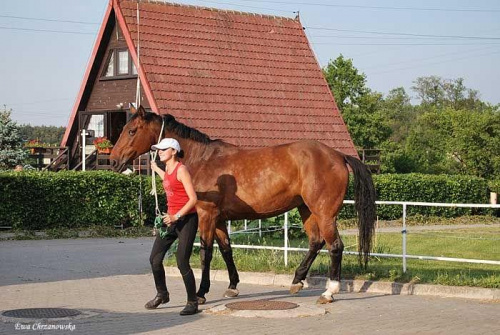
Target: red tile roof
249	79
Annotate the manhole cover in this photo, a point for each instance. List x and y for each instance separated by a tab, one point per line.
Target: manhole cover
41	313
258	305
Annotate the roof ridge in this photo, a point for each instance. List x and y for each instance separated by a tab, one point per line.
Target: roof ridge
212	9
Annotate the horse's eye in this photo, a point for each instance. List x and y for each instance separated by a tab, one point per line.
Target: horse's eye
131	132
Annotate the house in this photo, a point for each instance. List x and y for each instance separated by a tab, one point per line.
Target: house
249	79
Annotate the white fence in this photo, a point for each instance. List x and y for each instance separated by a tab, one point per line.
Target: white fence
404	255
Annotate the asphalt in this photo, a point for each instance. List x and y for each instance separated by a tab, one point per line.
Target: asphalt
109	281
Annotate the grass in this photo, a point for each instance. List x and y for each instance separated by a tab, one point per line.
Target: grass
475	243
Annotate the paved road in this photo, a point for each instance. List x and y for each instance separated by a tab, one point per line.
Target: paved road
111	280
54	260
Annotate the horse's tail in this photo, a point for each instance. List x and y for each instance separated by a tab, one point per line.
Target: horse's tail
364	199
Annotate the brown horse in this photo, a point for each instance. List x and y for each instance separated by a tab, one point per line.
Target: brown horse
234	183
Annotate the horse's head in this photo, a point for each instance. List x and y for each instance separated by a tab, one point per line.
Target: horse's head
137	137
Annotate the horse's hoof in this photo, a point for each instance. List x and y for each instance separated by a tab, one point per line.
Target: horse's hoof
201	300
295	288
324	300
231	293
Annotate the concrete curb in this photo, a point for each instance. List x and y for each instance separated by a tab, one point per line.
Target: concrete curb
284	280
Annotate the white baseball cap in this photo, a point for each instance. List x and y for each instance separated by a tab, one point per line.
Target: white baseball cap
167	143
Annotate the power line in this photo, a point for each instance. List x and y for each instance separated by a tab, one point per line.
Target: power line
405	34
245	6
392	64
49	31
47	20
435	63
403	44
473	10
36	102
381	37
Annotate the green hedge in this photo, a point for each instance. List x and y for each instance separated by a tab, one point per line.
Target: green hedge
431	188
494	185
425	188
41	200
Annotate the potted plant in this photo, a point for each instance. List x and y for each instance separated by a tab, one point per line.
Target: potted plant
35	146
103	145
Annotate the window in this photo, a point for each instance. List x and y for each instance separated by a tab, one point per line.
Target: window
119	64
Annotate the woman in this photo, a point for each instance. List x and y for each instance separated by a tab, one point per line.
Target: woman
182	220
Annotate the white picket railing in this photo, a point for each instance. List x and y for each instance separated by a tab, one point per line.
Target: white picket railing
404	254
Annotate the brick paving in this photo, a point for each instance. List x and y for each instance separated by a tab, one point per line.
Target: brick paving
117	300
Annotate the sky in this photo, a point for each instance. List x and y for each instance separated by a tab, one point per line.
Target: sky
46	45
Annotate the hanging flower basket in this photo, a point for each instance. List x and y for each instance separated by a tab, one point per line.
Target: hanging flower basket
103	145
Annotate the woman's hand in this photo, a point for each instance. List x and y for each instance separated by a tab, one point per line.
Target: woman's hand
169	219
154	165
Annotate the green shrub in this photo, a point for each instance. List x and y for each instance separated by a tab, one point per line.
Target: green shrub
494	185
430	188
44	200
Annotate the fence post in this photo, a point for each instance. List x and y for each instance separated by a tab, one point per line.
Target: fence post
245	223
404	237
229	227
260	228
286	238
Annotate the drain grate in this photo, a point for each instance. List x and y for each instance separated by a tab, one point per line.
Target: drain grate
258	305
41	313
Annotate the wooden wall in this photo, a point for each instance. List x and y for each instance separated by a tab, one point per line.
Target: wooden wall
106	94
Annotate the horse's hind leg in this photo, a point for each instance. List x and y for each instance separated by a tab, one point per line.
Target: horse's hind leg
316	243
335	249
222	237
207	229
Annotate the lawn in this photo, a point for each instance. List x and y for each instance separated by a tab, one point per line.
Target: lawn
475	243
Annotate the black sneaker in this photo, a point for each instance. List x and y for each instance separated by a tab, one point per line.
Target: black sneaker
157	301
190	309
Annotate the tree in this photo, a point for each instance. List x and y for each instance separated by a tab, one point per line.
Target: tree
358	105
399	112
345	82
45	134
457	142
438	92
11	142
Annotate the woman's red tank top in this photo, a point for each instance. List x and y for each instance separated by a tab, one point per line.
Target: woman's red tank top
175	191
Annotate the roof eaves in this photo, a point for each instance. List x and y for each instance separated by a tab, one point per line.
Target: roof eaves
135	57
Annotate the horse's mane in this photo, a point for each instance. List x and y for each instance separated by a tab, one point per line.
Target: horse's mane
180	129
174	126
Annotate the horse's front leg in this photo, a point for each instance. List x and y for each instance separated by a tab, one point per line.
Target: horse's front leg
206	226
224	242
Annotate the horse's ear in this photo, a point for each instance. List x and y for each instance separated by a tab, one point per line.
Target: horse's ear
132	109
141	112
169	117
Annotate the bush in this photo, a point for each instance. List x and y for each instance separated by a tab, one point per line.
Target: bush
494	185
425	188
44	200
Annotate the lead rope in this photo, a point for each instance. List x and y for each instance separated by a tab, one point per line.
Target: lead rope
137	103
138	87
159	218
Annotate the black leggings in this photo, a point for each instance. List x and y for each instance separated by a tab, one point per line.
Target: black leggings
184	229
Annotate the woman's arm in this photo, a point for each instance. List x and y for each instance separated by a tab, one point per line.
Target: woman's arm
185	178
156	169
